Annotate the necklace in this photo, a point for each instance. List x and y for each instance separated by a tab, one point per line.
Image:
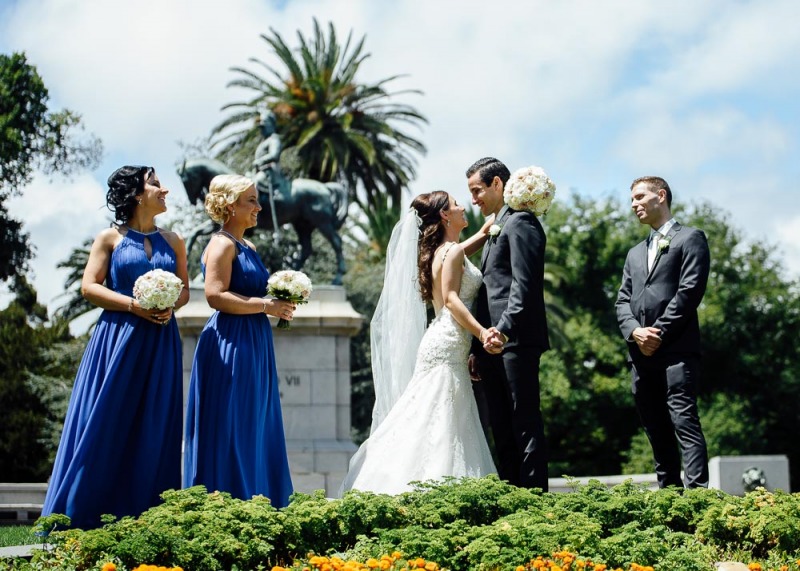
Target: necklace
232	237
156	230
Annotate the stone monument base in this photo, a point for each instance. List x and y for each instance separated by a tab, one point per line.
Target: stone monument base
313	360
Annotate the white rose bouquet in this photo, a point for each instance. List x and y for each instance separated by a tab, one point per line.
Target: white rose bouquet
530	189
157	289
289	285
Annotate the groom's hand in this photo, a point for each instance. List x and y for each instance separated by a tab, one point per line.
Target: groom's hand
493	341
648	339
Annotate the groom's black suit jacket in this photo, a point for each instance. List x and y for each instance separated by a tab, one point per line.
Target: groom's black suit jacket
668	295
512	295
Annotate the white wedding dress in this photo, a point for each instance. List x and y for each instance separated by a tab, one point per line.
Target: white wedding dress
433	430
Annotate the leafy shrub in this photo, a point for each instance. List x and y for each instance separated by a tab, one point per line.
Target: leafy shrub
469	524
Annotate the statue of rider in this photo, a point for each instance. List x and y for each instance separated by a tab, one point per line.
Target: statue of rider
268	152
268	175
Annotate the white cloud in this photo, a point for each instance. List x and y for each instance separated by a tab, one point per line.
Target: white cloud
596	92
789	234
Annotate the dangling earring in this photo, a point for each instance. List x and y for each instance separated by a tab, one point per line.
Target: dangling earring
233	213
448	223
139	202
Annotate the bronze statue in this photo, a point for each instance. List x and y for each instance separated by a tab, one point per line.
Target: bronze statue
306	204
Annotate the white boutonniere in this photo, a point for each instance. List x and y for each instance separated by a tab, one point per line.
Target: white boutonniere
494	230
663	245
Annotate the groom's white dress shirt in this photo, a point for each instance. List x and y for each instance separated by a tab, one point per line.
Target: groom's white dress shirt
655	236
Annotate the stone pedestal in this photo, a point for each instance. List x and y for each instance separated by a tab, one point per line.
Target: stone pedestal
739	474
313	359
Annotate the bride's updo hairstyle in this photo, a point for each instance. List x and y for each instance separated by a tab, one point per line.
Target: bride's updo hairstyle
223	190
124	185
431	234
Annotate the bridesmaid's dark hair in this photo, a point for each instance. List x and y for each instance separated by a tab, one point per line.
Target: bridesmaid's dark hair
431	234
124	185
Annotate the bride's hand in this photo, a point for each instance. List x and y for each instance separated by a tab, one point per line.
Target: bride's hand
487	224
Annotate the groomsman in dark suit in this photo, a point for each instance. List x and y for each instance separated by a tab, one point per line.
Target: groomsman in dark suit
663	283
511	305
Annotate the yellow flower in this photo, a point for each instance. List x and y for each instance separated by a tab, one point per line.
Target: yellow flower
109	567
372	563
754	566
397	555
431	566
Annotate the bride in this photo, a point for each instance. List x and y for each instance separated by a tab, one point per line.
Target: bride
425	423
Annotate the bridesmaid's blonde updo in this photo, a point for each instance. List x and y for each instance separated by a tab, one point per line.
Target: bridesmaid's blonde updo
224	190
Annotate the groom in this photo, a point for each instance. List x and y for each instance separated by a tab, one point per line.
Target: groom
663	282
511	305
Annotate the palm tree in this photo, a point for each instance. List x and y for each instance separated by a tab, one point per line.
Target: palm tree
332	126
75	304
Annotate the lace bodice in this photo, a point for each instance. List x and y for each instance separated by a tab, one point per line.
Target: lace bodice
445	341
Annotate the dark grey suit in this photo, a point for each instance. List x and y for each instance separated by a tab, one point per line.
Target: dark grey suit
512	299
664	384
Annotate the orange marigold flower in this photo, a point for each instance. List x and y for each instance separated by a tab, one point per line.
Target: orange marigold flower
754	566
317	560
109	567
372	563
278	568
397	555
326	567
520	568
431	566
385	564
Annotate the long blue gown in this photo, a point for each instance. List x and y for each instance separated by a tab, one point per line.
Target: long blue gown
121	443
234	426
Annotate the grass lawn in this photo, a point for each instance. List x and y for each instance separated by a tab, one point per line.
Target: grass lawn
17	535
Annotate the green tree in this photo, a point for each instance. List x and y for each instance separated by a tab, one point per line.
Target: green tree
750	320
32	137
333	126
38	361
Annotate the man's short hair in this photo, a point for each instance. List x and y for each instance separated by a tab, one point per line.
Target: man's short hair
655	183
489	167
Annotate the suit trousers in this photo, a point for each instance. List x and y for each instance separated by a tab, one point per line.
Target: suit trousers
508	393
664	390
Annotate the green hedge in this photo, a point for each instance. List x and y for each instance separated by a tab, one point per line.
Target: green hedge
460	524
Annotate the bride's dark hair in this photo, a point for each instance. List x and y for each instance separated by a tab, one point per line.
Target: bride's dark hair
431	234
124	185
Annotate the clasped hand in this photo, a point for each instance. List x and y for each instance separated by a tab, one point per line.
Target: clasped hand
648	339
493	340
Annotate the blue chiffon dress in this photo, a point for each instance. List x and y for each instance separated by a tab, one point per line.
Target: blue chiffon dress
121	443
234	427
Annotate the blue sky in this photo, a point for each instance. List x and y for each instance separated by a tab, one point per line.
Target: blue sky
701	92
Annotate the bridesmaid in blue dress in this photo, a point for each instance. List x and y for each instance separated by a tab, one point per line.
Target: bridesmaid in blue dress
234	427
121	443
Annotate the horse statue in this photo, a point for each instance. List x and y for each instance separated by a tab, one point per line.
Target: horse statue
304	203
